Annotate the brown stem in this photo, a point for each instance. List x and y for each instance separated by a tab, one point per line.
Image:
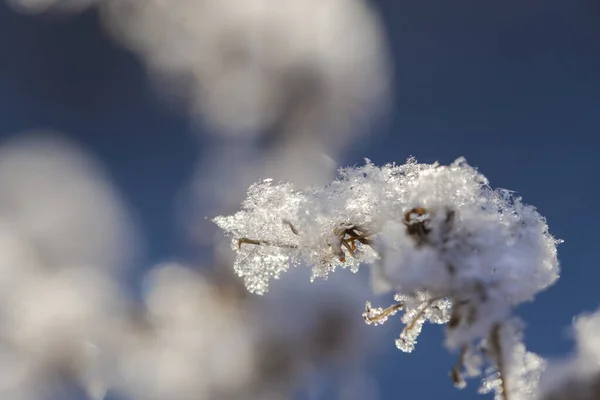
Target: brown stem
349	247
360	234
412	323
264	243
496	347
385	313
292	227
456	373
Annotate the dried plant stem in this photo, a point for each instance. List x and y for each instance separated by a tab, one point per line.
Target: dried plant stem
264	243
496	348
456	373
351	247
347	238
391	310
292	227
418	316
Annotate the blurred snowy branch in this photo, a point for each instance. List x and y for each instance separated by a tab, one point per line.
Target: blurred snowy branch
68	324
247	66
305	76
65	235
282	86
577	377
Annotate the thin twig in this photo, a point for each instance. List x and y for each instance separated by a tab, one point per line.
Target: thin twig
456	373
496	345
412	323
292	227
264	243
349	247
385	313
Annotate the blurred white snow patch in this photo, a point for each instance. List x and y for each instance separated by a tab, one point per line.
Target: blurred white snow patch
52	312
245	66
329	311
59	201
313	335
306	76
42	6
55	325
193	344
577	377
63	231
18	261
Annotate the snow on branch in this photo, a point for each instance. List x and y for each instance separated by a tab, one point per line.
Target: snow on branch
454	250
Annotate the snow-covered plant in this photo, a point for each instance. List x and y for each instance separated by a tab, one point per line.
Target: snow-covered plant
579	376
454	250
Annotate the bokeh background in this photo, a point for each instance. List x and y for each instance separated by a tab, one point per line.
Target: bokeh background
514	86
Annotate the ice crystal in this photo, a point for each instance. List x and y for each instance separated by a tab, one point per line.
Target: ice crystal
418	310
268	210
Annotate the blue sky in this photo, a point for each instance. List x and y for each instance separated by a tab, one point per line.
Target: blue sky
514	86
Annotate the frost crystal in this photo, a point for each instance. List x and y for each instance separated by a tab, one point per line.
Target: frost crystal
267	212
377	316
455	250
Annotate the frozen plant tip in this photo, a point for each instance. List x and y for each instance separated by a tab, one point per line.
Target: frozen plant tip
454	250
